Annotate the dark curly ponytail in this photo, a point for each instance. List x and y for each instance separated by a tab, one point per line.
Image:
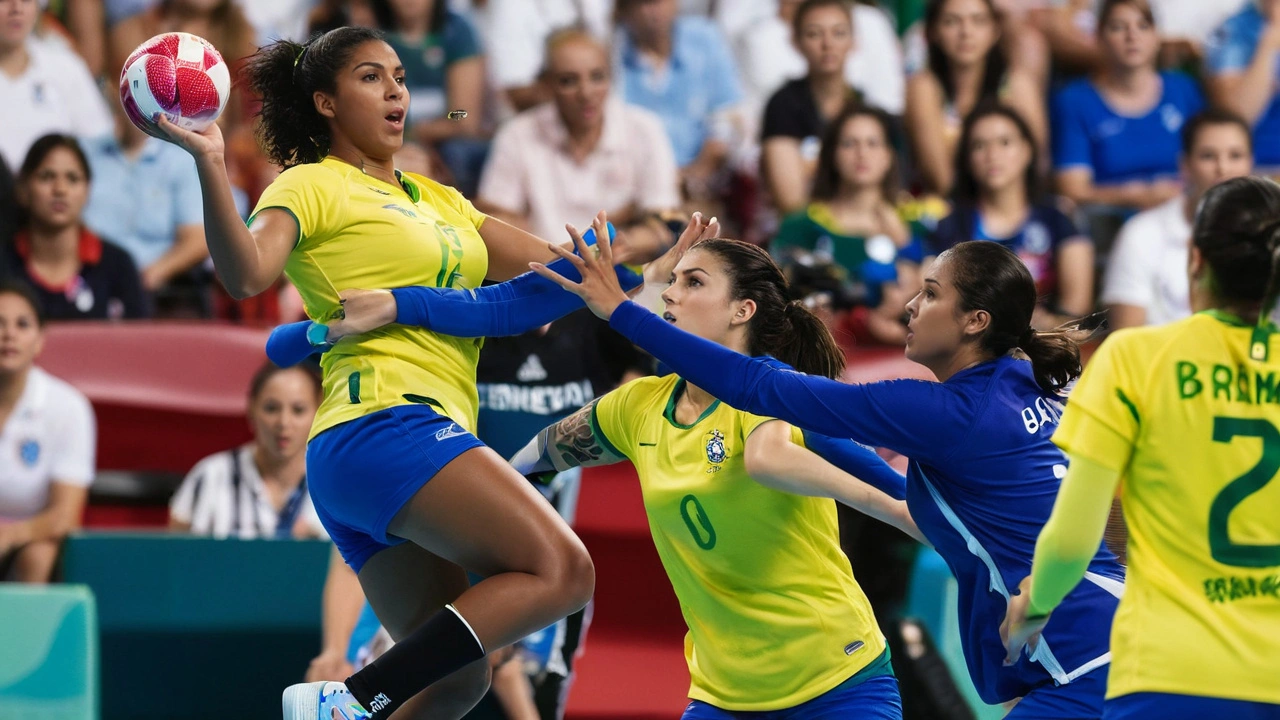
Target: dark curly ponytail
286	75
780	328
990	277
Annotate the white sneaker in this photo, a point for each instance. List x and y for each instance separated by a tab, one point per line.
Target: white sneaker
321	701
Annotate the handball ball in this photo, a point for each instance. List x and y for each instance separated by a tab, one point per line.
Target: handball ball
178	74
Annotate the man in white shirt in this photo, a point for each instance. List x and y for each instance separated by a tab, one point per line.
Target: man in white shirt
563	161
517	36
1146	280
47	445
44	86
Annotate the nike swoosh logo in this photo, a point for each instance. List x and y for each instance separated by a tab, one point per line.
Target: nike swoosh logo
644	444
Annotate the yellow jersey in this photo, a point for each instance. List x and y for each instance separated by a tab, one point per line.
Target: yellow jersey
356	231
1193	425
775	616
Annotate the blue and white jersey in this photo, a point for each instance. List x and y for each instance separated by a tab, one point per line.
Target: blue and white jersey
981	484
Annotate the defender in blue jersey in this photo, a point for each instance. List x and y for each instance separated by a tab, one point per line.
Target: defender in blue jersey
983	474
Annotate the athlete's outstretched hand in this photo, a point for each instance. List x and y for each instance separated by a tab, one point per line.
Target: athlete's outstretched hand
599	288
207	142
1016	631
659	271
362	311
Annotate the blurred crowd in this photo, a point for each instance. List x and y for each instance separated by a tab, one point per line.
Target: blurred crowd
854	140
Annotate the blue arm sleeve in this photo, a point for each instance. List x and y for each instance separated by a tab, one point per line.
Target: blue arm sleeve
859	461
288	344
921	420
510	308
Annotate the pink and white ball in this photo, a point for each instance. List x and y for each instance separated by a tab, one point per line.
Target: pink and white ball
178	74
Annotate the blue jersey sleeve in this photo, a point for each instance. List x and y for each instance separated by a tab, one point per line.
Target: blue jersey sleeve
911	417
288	344
859	461
511	308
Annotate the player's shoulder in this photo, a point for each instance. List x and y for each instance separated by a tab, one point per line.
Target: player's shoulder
1150	342
647	388
311	174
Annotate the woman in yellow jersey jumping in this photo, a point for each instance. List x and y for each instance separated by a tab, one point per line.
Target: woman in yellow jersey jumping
1185	420
740	510
399	402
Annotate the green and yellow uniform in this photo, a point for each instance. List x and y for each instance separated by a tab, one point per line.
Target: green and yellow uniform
1192	425
775	616
356	231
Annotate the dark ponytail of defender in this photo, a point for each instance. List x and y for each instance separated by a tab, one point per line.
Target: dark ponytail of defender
990	277
1237	232
780	328
286	76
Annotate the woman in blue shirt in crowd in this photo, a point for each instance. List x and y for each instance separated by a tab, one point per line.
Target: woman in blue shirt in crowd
997	198
983	474
1116	136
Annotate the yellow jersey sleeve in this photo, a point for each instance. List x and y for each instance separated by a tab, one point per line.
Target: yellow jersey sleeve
1104	413
314	195
438	194
610	422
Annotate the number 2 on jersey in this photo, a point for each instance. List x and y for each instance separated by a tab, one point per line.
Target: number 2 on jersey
1220	546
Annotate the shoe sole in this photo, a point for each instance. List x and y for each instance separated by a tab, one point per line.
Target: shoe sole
301	702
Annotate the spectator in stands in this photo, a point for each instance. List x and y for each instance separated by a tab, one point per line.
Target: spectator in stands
1243	63
997	198
1146	282
854	230
967	66
47	438
443	71
1116	136
681	69
769	54
44	86
798	112
76	274
146	199
518	33
564	160
86	24
258	490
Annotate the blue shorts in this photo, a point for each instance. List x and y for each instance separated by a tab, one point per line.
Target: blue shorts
1080	699
875	698
1168	706
360	473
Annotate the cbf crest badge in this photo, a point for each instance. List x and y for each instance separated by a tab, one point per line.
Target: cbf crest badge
715	448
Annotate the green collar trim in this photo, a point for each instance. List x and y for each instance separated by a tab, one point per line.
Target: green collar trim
1259	343
670	412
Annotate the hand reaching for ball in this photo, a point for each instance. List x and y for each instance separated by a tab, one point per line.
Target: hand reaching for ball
205	143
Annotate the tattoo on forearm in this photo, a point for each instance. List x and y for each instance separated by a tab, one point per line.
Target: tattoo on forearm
574	442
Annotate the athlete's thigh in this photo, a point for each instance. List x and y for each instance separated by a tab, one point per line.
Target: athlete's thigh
406	584
478	512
